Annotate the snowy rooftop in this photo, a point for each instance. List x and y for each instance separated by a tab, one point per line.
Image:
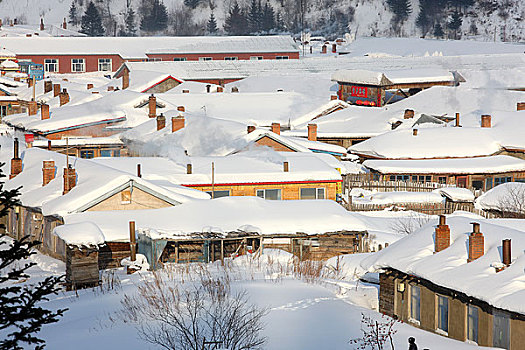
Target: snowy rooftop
504	197
139	47
414	255
392	77
479	165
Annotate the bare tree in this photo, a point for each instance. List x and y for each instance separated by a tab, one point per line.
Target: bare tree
409	224
512	203
176	315
375	334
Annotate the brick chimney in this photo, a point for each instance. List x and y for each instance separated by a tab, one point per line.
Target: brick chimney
441	235
64	97
333	97
520	106
70	179
125	79
220	89
276	128
507	251
64	24
476	243
250	128
90	86
334	48
312	132
181	109
189	169
286	167
32	108
48	171
323	49
42	27
185	91
56	90
457	120
111	88
152	106
414	132
48	86
161	122
44	111
177	123
486	121
409	113
16	162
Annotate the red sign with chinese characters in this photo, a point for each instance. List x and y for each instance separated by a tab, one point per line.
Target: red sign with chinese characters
359	91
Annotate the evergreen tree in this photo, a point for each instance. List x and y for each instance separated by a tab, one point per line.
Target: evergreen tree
401	9
254	17
129	21
21	317
236	22
438	31
73	13
92	22
268	17
154	16
211	26
192	3
455	23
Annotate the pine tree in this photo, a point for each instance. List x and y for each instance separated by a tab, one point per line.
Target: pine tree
192	3
129	21
211	26
254	17
21	317
455	23
268	17
401	10
236	22
73	13
154	16
438	31
92	22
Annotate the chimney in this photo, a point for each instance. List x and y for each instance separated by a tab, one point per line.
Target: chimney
323	49
185	91
16	162
48	86
409	114
476	243
70	179
64	97
334	48
161	122
250	128
220	89
56	90
286	167
90	86
44	111
188	169
208	88
177	123
441	235
276	128
30	82
42	27
457	120
507	252
64	24
48	171
17	78
333	97
111	88
32	108
125	79
49	145
414	132
139	171
520	106
312	132
152	105
235	89
486	121
181	109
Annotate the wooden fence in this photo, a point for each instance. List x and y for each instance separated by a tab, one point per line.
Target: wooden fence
366	181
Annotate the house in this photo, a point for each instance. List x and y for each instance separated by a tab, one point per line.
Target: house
69	55
460	279
506	200
90	147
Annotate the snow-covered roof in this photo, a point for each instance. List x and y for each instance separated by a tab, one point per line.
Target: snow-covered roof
479	165
79	141
139	47
508	197
359	76
415	255
228	214
8	64
80	234
456	194
398	197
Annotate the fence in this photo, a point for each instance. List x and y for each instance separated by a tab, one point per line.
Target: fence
366	181
426	208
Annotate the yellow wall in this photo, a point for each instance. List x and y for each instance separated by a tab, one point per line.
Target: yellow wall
139	200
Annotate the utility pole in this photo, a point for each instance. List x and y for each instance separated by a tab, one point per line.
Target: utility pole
212	180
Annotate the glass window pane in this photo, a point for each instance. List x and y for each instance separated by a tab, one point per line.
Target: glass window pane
443	313
260	193
105	153
307	193
219	194
501	330
273	194
472	323
415	306
320	193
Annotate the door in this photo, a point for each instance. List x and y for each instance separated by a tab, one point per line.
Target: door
461	181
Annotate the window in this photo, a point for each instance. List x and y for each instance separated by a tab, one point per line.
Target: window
88	154
78	65
399	177
205	58
442	179
154	59
179	59
488	183
116	153
51	65
105	153
311	193
256	58
104	65
219	194
281	57
502	180
477	184
442	314
125	197
272	194
415	303
231	58
472	323
501	334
